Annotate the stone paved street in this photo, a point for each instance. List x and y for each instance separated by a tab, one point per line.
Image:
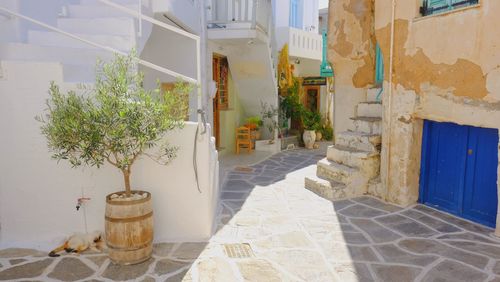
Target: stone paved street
272	229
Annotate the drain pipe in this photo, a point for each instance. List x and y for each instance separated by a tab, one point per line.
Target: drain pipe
389	106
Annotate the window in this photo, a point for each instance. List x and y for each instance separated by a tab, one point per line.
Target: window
430	7
295	14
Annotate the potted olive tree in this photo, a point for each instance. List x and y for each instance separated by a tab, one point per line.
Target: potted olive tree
117	122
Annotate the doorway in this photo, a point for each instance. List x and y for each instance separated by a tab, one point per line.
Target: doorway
312	98
220	73
459	170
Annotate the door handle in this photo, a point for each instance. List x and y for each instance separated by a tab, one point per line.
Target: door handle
469	152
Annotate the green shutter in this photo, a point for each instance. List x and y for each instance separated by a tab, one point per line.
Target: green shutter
461	3
437	6
379	66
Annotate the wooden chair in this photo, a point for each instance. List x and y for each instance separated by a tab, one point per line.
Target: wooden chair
243	139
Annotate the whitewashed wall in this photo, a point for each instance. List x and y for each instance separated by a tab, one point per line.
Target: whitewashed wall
309	10
184	12
38	196
172	51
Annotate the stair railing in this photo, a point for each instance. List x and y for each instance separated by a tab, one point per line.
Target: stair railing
139	11
271	34
227	12
137	14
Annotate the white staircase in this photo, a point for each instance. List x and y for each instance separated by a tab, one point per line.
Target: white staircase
253	70
90	20
352	166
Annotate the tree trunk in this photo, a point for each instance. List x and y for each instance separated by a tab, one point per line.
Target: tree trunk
126	177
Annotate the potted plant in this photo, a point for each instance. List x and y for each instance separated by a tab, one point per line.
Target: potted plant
319	134
311	121
327	132
290	104
254	123
117	121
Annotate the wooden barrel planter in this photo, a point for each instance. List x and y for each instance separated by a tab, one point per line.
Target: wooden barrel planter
129	228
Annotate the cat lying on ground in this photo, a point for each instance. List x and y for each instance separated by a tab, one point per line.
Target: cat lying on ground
80	242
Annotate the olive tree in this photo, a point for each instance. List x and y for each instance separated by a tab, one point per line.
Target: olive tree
116	121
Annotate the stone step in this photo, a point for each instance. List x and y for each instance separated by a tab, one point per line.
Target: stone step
98	11
41	53
336	172
369	109
372	93
97	2
50	38
104	26
330	190
371	125
367	162
359	140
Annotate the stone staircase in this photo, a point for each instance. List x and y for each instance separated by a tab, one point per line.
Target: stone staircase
352	166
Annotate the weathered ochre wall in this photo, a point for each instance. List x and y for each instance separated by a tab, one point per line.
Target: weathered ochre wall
351	45
446	67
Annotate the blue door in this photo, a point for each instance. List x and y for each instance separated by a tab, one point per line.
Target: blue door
459	170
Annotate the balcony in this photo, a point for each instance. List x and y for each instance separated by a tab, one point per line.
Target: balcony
301	43
232	19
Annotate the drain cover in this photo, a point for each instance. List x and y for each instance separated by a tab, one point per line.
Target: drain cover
243	169
238	250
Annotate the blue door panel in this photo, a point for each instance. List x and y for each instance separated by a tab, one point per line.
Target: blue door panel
459	170
480	195
446	162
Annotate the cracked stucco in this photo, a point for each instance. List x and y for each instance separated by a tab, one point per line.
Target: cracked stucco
446	68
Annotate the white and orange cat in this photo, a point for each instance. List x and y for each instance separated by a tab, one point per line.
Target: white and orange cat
80	242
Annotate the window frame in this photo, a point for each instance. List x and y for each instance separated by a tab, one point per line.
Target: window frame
295	14
425	10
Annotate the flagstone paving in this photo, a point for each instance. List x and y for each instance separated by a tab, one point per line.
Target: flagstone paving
272	229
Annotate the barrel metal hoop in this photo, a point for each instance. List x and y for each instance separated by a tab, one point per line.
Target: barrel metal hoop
135	248
129	219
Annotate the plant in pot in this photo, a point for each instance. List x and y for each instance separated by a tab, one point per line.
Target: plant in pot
254	123
311	121
117	121
290	103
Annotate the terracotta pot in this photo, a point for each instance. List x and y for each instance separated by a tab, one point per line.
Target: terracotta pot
257	134
319	136
309	137
129	229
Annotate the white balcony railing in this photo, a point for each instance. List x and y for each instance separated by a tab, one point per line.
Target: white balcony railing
237	14
301	43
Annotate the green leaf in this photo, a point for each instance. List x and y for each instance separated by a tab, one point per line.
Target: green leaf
116	120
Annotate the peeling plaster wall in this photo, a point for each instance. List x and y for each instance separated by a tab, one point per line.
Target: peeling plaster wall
446	68
351	49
